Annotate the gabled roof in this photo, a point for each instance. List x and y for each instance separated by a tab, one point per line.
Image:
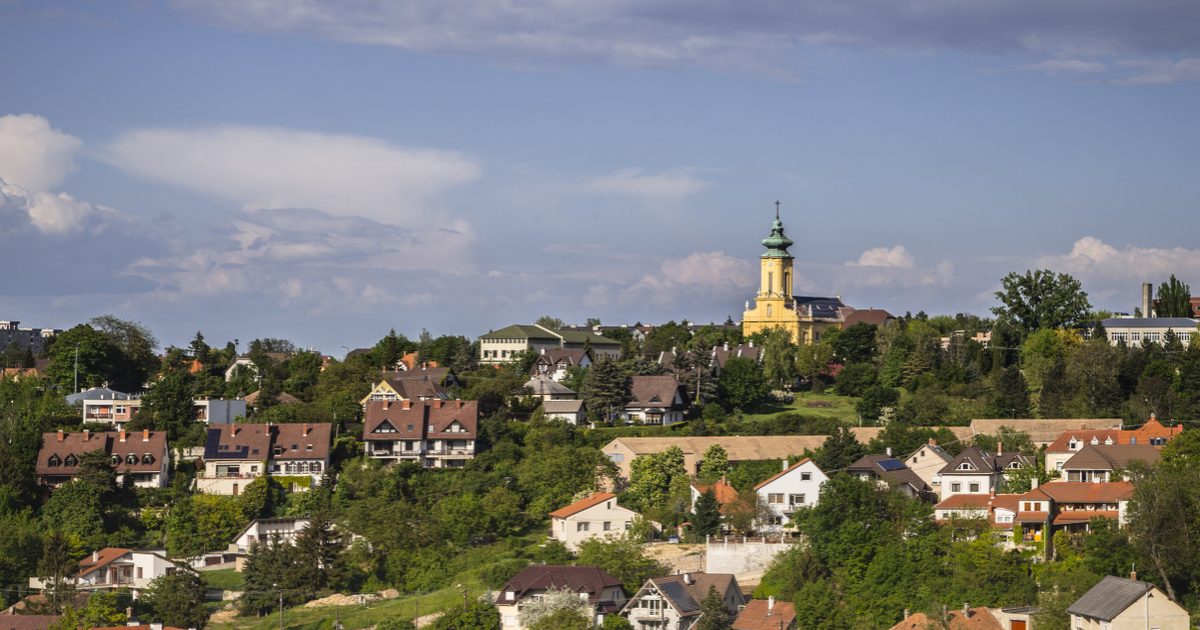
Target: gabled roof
435	374
100	559
1076	492
873	316
1041	431
785	471
653	391
982	462
302	440
724	493
1109	598
283	398
686	592
520	331
1112	457
247	442
1062	444
965	502
562	406
594	581
137	443
756	616
548	387
582	504
28	622
97	393
418	419
976	619
819	307
571	357
722	354
890	470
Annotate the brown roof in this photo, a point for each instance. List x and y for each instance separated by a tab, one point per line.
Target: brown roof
866	434
874	316
721	354
686	592
594	581
652	391
976	619
1084	516
28	622
1062	444
739	448
890	469
553	356
100	559
1112	457
756	616
302	440
1076	492
983	462
1150	430
418	419
137	443
245	442
436	374
782	472
582	504
417	387
1041	431
283	398
965	502
724	493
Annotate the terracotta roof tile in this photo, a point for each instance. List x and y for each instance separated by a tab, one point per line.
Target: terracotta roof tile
755	616
582	504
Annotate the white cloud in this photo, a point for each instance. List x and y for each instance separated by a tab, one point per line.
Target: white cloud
894	257
667	186
34	155
263	167
1093	260
1065	66
1159	71
54	213
713	273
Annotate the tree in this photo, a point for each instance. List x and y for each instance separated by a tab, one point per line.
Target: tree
855	378
135	357
714	464
478	615
1042	350
1092	371
779	359
565	619
202	522
550	604
694	371
812	363
319	552
553	323
168	404
877	401
103	610
605	388
621	557
741	384
650	478
60	561
1010	396
1163	525
1042	299
396	623
838	451
87	349
713	614
855	344
707	518
616	622
271	571
1174	299
747	512
177	599
262	498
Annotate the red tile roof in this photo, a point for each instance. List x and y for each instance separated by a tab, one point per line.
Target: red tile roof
964	502
308	440
427	418
100	559
138	443
724	493
1078	492
755	616
28	622
1083	516
582	504
977	619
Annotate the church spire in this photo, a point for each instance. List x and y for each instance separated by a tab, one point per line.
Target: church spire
777	243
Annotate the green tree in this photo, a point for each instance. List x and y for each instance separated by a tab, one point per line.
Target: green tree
714	464
838	451
87	349
741	384
877	402
621	557
79	509
1163	525
713	614
707	518
203	522
855	344
135	357
320	554
167	404
605	389
262	498
1009	397
779	359
616	622
546	611
271	571
1042	350
812	363
855	378
396	623
477	615
1174	299
1092	371
60	561
650	478
176	599
103	610
565	619
1042	299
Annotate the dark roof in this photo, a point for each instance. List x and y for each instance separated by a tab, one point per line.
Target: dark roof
1104	457
553	356
594	581
562	406
1176	323
652	391
1109	597
687	591
722	353
137	443
28	622
982	462
418	419
819	307
302	440
250	442
436	374
889	469
520	331
418	387
98	393
873	316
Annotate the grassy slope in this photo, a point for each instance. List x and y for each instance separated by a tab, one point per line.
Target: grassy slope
823	405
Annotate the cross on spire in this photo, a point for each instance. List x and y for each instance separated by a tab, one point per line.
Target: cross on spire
777	210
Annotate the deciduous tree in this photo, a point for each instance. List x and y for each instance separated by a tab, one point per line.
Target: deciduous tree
1042	299
1174	299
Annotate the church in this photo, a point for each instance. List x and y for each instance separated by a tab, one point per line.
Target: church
805	318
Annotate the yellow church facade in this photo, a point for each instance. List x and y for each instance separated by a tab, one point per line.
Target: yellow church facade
805	318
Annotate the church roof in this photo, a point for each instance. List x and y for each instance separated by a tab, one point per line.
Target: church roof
777	242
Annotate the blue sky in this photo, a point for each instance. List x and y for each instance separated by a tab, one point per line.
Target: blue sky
326	170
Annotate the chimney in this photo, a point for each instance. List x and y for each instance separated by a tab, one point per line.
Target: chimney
1033	482
387	404
96	556
233	430
406	404
751	343
304	430
1147	299
1133	573
60	435
543	351
437	403
770	604
726	346
932	442
785	465
966	611
458	403
121	434
687	578
906	613
145	435
999	447
889	451
86	435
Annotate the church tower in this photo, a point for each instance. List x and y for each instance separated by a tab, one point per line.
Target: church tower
773	305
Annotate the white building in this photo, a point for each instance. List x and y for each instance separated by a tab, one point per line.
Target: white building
601	591
114	568
265	530
504	345
596	516
1134	331
675	602
927	462
654	400
237	454
219	411
1119	604
796	486
976	471
569	411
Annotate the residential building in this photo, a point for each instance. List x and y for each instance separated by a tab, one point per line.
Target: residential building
410	385
265	530
1102	462
237	454
113	568
674	602
888	471
874	316
107	406
1000	510
603	592
1135	331
724	493
654	400
504	345
723	353
32	339
597	516
1018	617
244	362
548	389
17	621
219	411
976	471
143	456
766	614
1042	432
1126	604
569	411
805	318
553	363
739	448
927	462
433	433
979	618
1066	445
795	487
1070	506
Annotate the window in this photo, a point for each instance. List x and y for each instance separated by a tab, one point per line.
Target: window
581	527
54	460
805	476
775	498
966	466
131	459
147	458
796	499
956	487
115	459
974	488
71	460
607	526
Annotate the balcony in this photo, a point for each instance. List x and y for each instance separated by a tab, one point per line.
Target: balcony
229	475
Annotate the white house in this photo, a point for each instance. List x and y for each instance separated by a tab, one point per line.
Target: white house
1134	331
654	400
602	591
596	516
114	568
795	487
219	411
675	602
570	411
237	454
927	462
976	471
1119	604
265	530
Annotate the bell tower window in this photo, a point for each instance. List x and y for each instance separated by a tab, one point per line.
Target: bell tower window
770	282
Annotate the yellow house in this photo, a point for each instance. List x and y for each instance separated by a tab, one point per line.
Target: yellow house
804	318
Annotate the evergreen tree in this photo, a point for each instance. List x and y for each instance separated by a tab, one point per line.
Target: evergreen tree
838	451
1055	399
713	613
1010	395
741	384
693	368
168	404
177	599
605	389
319	550
1174	299
57	570
707	518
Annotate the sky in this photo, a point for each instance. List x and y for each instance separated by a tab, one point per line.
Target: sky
325	170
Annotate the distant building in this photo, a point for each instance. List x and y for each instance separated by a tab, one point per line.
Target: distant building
888	471
766	614
1070	442
265	530
237	454
654	400
739	448
795	487
553	363
1042	432
1100	463
432	433
113	568
976	471
603	592
1134	331
597	516
143	456
504	345
34	340
927	461
107	406
1119	604
548	389
675	602
569	411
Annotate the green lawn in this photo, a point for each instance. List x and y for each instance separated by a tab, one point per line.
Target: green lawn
224	579
822	405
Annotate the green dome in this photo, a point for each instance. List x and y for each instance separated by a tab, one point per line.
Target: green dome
777	243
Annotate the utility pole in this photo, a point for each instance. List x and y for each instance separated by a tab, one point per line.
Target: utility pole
280	605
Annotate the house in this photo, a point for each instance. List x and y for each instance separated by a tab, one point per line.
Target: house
927	461
724	493
723	353
976	471
244	362
548	389
1126	604
104	405
553	363
968	618
598	515
265	530
1152	432
1101	463
237	454
1134	331
570	411
1042	432
890	472
739	448
219	411
674	602
603	592
796	486
1000	510
504	345
654	400
413	385
143	456
16	621
1016	617
766	614
1070	506
113	568
874	316
432	433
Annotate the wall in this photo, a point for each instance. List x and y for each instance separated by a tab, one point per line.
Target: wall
732	555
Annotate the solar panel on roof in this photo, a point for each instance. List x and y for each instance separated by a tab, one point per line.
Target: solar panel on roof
891	464
678	594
